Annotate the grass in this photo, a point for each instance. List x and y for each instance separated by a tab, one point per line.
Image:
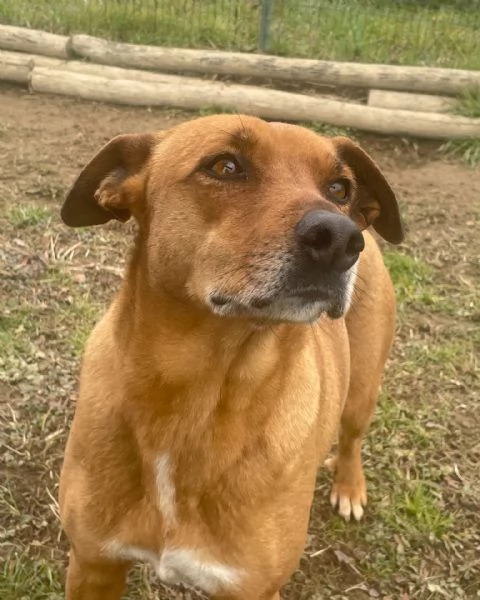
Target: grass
27	214
441	34
467	150
85	312
381	32
330	130
412	277
24	578
415	284
469	104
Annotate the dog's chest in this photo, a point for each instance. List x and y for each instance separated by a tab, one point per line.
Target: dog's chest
193	566
182	565
190	551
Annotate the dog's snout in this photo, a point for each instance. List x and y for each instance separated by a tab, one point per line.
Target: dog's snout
331	240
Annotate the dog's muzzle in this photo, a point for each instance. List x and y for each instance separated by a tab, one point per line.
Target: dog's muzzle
317	277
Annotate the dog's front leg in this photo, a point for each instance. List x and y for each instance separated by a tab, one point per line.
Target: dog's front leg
102	581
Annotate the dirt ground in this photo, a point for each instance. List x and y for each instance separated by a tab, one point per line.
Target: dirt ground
421	535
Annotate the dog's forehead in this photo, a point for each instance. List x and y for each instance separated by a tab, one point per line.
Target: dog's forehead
191	141
300	138
246	131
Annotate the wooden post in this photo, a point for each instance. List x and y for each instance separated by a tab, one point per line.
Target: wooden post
22	39
415	102
416	79
270	104
14	66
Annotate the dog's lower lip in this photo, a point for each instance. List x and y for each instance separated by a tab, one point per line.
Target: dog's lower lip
311	295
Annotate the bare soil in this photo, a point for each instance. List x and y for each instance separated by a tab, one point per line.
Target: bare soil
421	535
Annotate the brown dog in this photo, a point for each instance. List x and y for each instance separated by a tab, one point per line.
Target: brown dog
215	384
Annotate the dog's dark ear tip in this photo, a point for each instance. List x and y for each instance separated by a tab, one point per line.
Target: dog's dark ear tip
394	237
397	240
397	236
66	217
75	214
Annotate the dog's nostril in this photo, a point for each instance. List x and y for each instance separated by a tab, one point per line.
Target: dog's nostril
321	240
219	300
355	244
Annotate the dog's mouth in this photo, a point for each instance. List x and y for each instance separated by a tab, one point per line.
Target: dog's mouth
305	296
288	304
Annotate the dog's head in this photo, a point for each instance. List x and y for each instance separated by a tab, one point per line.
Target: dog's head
249	218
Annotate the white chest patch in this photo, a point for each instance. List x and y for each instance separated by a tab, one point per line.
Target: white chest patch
165	489
350	287
181	565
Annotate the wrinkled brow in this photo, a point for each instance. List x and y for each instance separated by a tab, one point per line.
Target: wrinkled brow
242	138
340	168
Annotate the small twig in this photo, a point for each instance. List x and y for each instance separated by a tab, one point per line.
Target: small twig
319	552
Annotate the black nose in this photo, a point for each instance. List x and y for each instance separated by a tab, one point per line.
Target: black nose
332	240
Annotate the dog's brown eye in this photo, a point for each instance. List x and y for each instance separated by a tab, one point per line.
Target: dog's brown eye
339	191
225	167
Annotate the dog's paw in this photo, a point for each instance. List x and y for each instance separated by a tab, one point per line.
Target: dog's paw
349	491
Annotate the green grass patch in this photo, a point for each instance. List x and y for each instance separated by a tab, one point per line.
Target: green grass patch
395	426
416	285
412	277
426	33
82	316
209	111
448	358
17	325
69	318
330	130
24	578
469	104
418	513
27	215
468	151
364	31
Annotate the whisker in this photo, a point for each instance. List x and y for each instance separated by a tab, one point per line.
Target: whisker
242	124
235	136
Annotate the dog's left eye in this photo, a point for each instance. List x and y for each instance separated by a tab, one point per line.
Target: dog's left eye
225	167
339	190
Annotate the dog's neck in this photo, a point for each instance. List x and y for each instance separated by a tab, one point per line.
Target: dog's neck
187	370
181	341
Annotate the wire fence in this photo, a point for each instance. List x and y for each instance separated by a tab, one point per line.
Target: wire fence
428	32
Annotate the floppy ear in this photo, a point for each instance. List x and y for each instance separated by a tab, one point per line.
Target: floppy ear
112	182
377	203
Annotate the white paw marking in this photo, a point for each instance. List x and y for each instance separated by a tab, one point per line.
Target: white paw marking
346	506
357	510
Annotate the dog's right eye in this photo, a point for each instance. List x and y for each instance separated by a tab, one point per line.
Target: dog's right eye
225	167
